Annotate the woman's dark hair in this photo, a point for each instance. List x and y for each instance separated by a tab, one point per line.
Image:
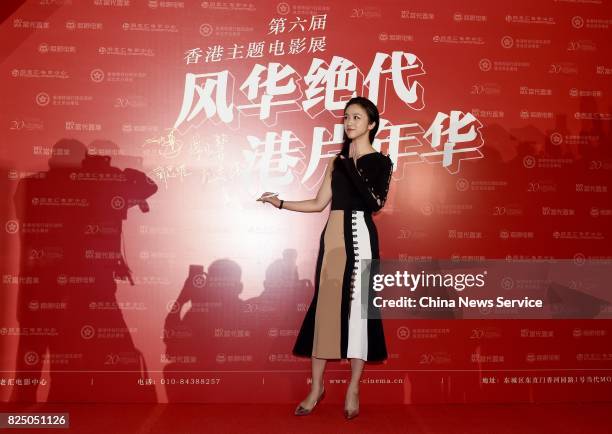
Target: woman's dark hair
373	116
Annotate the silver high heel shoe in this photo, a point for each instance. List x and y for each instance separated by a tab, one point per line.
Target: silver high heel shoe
350	414
301	411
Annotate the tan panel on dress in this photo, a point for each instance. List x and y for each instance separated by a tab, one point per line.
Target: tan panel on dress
326	343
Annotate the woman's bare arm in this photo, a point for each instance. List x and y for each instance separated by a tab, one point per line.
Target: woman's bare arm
317	204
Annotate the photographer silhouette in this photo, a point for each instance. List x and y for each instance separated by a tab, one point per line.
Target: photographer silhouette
71	245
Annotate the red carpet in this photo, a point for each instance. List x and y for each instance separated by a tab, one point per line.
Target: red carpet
587	418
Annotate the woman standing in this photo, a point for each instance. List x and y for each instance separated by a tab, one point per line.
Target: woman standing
356	182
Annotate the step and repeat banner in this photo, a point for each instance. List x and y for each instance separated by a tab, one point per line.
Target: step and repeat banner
137	265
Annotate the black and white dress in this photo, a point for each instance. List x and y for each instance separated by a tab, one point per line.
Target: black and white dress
334	326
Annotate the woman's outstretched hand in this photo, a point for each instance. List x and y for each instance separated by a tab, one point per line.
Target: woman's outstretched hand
271	198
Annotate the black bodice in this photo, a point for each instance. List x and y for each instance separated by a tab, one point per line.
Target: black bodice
363	187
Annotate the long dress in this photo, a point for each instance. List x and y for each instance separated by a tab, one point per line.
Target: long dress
334	326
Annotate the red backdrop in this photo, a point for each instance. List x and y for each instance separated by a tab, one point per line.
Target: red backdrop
148	272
